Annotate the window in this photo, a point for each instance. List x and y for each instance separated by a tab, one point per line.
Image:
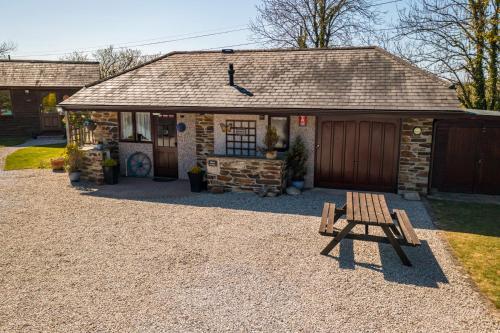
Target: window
135	126
166	131
282	126
5	104
241	137
126	126
143	126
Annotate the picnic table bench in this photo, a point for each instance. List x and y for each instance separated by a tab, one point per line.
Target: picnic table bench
369	210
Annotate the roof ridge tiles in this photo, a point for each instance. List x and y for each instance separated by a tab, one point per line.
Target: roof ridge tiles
35	61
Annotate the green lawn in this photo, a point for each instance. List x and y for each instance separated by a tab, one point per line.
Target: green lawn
473	231
34	157
11	141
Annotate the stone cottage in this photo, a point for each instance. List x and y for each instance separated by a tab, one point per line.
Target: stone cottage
367	117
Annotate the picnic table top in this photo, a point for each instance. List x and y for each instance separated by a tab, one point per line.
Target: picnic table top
367	208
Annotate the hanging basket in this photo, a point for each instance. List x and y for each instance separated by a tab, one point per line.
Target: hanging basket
90	124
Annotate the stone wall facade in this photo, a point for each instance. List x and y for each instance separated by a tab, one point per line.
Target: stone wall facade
128	148
308	135
247	174
186	144
92	165
415	155
107	126
204	138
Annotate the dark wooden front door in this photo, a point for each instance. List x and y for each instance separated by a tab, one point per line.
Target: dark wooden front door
466	156
357	153
165	146
50	122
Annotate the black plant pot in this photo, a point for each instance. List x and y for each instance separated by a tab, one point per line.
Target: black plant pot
111	174
196	181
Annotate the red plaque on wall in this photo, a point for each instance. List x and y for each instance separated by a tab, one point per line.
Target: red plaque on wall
302	121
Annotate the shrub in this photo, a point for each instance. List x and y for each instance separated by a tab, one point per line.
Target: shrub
271	138
195	170
296	159
72	158
109	162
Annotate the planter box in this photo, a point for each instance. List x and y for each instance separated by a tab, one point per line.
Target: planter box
196	181
111	174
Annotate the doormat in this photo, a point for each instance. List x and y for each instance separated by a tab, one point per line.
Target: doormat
163	179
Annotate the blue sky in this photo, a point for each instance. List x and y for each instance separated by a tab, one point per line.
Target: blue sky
48	29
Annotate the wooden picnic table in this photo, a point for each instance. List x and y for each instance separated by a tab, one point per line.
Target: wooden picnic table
368	209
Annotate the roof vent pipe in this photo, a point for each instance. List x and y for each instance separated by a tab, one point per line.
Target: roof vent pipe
231	74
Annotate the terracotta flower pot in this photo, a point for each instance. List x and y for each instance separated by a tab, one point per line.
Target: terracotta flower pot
57	164
271	155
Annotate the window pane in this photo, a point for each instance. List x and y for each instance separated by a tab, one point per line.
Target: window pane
238	140
126	128
281	125
143	125
49	102
5	103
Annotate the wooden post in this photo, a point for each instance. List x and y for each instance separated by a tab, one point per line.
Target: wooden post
68	132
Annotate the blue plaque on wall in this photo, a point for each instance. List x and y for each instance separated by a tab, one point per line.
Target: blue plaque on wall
181	127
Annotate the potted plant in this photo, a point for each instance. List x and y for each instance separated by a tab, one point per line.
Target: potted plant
296	160
270	140
57	164
196	179
72	161
90	124
111	171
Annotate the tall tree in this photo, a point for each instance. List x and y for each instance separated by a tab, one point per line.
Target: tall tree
115	60
313	23
493	39
458	40
5	48
112	60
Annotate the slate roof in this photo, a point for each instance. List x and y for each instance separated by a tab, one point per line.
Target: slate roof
39	73
366	78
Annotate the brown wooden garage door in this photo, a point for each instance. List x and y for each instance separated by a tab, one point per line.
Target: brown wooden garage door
466	156
357	153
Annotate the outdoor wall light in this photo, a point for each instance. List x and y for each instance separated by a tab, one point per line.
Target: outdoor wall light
417	130
225	128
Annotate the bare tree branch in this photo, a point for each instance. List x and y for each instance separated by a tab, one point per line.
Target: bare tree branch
313	23
5	48
456	39
75	56
112	60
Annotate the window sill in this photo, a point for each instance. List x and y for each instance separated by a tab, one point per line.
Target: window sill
134	141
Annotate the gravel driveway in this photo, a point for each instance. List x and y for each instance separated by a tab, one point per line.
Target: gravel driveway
133	260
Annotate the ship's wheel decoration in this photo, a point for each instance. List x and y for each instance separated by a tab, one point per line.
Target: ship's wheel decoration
138	165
